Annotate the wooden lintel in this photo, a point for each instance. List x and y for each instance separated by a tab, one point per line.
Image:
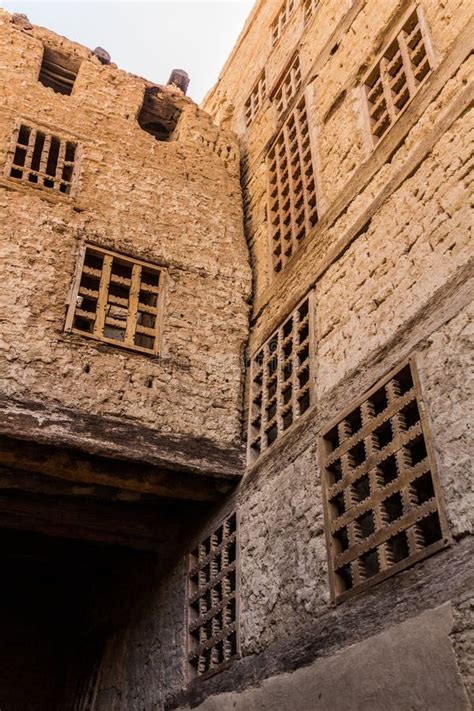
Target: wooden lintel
119	438
82	468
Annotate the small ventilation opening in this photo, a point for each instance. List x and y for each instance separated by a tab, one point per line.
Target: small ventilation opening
158	115
58	71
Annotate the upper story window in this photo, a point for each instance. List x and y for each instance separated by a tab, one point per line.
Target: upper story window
288	86
309	8
213	634
256	99
398	74
58	70
158	114
381	493
292	210
280	380
282	19
118	300
40	158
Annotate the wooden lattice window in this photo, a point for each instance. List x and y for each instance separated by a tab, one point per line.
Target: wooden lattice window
213	633
292	207
309	8
41	158
398	74
382	497
289	86
282	18
256	99
58	70
117	299
281	383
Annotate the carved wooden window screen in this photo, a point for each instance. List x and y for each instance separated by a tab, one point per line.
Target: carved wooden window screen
288	87
118	300
213	633
281	384
291	188
256	99
282	19
42	159
382	497
309	8
397	76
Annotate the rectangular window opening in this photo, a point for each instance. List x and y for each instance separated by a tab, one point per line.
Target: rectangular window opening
392	84
58	70
286	90
42	159
159	115
282	19
280	383
256	99
379	475
288	226
108	304
213	632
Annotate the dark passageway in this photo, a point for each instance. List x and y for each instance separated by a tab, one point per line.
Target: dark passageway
59	600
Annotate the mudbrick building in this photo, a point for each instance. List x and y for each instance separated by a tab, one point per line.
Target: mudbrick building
234	424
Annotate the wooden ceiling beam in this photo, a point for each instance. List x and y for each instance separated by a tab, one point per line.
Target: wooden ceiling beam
83	469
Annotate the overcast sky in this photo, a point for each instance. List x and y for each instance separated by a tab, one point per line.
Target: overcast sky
149	38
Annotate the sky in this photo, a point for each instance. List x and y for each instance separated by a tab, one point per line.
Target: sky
149	38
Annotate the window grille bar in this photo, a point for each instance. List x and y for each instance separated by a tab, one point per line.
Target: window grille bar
99	323
133	306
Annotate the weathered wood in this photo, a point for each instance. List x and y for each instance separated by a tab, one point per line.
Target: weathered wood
81	468
118	438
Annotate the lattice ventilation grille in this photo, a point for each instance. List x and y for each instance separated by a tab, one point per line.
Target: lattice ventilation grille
291	187
309	8
42	159
397	77
58	71
382	499
288	87
118	300
256	99
281	20
280	387
213	629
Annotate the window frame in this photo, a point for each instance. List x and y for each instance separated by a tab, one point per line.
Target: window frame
74	294
193	673
278	95
50	53
278	262
339	595
372	140
252	456
250	112
278	24
50	133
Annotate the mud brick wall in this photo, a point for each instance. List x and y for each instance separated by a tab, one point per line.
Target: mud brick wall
176	204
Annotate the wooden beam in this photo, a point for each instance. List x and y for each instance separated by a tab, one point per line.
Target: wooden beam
81	468
119	438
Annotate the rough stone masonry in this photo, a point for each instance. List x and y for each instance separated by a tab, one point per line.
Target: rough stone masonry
292	447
